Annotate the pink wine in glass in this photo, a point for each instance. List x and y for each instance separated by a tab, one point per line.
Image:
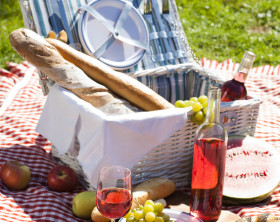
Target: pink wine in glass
209	163
208	178
235	89
113	202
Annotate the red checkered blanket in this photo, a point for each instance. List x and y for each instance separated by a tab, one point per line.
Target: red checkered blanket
21	102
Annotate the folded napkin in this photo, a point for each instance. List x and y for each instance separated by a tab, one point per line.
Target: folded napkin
104	140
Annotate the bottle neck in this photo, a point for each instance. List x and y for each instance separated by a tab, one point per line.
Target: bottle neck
240	77
245	66
213	107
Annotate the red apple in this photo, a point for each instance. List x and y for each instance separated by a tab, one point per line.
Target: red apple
15	175
62	179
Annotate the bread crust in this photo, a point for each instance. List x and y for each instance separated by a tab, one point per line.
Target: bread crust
157	188
48	60
123	85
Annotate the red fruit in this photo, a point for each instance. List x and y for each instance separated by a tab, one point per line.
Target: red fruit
62	179
252	170
15	175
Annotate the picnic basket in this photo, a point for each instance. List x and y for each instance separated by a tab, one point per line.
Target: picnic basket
175	74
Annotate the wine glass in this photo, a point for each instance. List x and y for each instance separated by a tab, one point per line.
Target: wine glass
113	194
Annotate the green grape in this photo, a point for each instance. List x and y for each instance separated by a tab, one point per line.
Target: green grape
194	99
148	208
159	219
196	107
166	218
188	103
149	202
199	116
202	121
158	207
193	118
142	220
204	111
150	217
138	214
179	104
128	214
140	207
130	219
204	105
202	99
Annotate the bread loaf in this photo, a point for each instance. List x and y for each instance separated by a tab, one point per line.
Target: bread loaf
96	216
157	188
123	85
47	59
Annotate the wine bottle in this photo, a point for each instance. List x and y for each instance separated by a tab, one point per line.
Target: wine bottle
209	162
235	89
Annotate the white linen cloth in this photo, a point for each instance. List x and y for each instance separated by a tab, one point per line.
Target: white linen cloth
104	140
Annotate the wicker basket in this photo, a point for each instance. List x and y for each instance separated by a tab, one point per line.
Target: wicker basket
173	158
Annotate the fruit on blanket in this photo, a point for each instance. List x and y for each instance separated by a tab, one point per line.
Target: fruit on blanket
83	204
15	175
62	179
252	170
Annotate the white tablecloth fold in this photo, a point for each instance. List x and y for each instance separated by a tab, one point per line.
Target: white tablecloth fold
104	140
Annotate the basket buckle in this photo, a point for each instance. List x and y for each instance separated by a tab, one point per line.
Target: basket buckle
228	118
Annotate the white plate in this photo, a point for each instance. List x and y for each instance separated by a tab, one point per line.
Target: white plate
176	215
93	33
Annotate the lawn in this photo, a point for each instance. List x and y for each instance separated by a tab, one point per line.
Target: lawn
216	29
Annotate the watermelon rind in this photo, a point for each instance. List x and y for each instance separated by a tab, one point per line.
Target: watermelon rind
250	189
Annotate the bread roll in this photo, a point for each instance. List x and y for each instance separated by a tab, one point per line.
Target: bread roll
96	216
123	85
139	198
157	188
47	59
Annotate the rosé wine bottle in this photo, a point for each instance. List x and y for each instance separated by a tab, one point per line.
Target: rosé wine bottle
235	89
209	163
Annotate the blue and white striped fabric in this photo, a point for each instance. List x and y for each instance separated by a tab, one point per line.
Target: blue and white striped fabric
166	46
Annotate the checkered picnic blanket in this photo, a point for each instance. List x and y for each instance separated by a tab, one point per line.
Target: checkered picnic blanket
21	102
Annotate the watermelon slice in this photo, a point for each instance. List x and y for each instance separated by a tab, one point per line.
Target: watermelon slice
252	170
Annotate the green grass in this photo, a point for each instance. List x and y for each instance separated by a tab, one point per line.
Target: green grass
10	19
216	29
221	29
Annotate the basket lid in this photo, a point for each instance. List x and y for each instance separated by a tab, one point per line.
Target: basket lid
114	32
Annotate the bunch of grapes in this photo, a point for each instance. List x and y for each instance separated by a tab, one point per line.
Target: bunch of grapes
199	107
150	212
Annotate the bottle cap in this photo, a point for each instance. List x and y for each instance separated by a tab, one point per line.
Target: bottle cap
247	62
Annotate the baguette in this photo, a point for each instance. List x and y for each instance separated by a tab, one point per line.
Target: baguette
123	85
47	59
